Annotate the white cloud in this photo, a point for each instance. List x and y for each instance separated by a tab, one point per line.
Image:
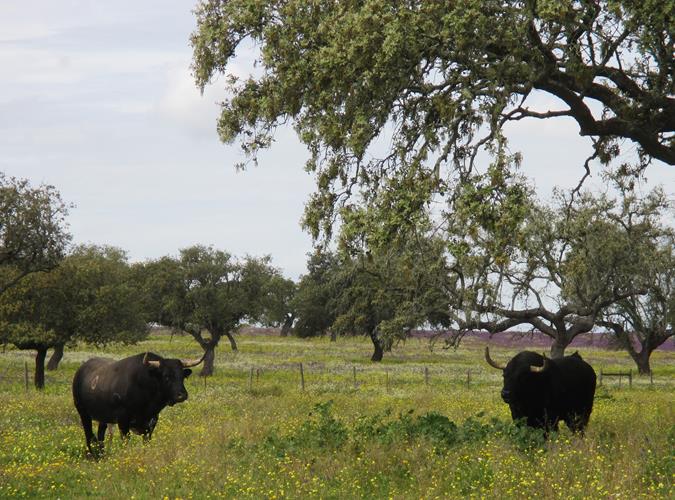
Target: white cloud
185	106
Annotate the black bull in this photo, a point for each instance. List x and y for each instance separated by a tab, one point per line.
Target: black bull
130	393
544	391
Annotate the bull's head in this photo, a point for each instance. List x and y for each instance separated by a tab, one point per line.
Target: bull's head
172	373
517	372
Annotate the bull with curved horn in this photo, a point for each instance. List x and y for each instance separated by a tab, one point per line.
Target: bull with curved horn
130	393
543	391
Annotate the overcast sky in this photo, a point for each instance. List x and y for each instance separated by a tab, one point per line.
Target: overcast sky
96	98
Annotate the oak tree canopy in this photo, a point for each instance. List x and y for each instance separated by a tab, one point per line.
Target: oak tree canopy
440	79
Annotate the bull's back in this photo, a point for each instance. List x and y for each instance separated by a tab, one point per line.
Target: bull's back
95	390
579	378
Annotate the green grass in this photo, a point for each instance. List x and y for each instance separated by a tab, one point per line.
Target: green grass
390	436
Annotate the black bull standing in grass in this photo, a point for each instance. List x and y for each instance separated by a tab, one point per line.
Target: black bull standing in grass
130	392
544	391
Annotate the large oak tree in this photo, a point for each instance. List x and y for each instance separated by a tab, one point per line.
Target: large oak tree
440	78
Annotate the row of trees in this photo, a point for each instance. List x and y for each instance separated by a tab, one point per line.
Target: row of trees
53	295
95	295
90	296
561	269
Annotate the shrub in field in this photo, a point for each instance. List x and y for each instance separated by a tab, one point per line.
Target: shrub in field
322	430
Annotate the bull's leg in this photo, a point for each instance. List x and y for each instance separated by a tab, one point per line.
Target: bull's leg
88	432
578	423
538	422
552	428
97	443
100	435
124	430
151	427
544	423
552	425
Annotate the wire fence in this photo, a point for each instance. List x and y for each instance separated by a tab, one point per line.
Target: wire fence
308	376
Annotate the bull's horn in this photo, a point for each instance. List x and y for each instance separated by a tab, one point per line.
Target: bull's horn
489	360
192	362
149	362
539	369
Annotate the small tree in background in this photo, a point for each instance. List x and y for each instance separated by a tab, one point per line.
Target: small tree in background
279	310
646	320
164	292
315	294
383	298
383	291
33	231
207	293
88	297
556	268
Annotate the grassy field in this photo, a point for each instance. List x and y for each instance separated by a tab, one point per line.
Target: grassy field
356	431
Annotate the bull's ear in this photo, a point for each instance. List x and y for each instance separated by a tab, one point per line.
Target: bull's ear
186	373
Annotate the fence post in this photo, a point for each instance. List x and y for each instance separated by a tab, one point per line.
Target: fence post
468	377
250	379
426	375
651	377
386	379
25	374
354	374
630	378
257	375
302	377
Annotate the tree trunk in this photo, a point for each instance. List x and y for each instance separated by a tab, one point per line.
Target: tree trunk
642	358
558	348
642	362
40	367
209	358
288	324
56	357
233	342
379	350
